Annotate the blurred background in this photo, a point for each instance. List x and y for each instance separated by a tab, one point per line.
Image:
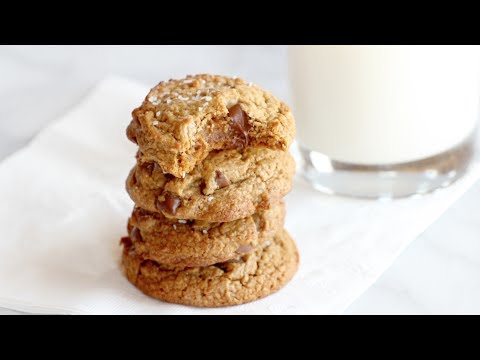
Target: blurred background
438	273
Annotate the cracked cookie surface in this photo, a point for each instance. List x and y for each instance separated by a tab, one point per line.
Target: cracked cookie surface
228	185
198	243
181	121
248	278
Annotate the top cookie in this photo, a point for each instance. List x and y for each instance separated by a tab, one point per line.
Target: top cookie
181	121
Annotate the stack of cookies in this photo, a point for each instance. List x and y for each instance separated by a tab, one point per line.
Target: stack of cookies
212	168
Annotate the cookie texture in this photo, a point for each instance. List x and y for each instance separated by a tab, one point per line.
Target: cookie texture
189	243
228	185
250	277
181	121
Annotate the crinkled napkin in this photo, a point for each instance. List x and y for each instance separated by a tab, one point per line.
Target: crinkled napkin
64	208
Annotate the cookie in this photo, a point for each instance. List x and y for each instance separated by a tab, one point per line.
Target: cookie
199	243
248	278
228	185
181	121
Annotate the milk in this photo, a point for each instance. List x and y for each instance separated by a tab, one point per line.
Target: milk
376	104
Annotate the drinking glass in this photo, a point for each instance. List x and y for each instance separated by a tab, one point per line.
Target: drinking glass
385	120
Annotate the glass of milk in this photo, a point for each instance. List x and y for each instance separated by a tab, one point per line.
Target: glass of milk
385	120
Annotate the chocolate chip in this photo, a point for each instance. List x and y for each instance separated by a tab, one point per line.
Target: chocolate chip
135	235
170	204
149	167
126	241
134	178
152	167
132	130
202	186
243	249
239	124
221	179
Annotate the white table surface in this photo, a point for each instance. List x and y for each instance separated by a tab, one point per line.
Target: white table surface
437	274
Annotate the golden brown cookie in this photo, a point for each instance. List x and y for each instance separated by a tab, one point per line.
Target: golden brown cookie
198	243
248	278
181	121
228	185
